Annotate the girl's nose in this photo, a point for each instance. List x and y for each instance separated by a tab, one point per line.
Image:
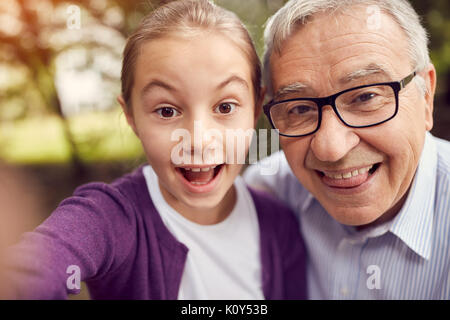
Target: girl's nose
205	139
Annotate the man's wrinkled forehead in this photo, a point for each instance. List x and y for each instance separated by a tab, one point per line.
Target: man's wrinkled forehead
357	14
343	49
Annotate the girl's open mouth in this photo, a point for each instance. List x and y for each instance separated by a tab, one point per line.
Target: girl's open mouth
200	178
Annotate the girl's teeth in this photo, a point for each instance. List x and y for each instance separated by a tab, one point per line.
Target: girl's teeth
200	169
199	183
348	175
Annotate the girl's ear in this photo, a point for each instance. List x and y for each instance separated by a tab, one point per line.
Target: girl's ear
259	103
128	114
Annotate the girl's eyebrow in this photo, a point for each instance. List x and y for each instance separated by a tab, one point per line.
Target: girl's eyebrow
233	78
156	84
160	84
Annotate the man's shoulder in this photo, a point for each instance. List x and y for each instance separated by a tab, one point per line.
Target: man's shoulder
270	173
442	170
274	175
274	214
443	152
442	199
267	204
442	196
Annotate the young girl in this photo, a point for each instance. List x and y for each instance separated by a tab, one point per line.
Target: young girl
173	229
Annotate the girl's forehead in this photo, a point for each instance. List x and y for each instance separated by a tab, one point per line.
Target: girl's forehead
202	41
208	52
189	68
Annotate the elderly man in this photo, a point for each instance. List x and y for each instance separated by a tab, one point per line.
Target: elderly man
352	92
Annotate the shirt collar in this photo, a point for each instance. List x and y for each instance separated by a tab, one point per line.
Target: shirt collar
414	223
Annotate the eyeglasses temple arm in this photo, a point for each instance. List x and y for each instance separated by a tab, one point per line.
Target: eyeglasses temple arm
407	80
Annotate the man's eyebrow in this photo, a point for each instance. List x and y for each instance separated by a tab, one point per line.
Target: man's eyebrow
156	84
371	69
366	71
296	87
231	79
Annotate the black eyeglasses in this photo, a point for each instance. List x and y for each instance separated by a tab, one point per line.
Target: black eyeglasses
358	107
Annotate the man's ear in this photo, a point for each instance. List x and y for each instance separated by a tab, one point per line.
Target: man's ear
128	113
429	74
259	103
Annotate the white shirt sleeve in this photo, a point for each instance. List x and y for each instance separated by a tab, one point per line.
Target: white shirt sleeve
274	175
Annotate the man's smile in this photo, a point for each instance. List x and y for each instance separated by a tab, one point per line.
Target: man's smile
348	178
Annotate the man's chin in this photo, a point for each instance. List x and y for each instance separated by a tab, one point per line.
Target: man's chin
356	217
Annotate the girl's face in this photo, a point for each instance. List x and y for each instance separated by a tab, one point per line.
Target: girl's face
187	92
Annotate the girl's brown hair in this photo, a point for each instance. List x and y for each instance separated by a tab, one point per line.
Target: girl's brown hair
184	18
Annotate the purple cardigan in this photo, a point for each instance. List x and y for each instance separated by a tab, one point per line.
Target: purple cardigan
124	251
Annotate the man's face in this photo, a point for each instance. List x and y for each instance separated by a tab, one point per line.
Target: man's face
334	53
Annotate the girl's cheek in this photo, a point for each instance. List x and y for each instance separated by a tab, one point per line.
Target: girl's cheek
156	139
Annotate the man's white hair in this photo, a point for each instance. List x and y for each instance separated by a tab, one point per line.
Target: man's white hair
296	12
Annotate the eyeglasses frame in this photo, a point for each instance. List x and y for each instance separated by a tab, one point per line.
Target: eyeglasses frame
331	101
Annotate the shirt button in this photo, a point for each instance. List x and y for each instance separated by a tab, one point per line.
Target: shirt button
344	291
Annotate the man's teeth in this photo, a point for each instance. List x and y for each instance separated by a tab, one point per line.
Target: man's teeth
348	175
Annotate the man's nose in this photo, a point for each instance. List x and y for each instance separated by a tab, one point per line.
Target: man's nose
334	139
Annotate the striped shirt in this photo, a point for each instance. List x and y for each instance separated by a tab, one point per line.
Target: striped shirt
405	258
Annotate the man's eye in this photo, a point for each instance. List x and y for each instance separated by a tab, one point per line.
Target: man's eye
301	109
225	108
364	97
167	112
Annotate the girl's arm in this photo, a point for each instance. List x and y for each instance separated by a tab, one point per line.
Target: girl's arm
84	238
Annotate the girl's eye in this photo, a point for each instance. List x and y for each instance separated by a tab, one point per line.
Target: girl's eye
167	112
226	107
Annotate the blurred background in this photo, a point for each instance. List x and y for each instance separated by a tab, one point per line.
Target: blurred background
60	61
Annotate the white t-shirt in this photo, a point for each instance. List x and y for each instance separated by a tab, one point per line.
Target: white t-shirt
223	261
